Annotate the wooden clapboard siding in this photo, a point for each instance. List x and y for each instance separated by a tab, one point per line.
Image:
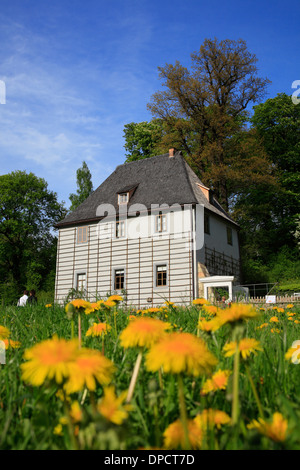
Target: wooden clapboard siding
103	253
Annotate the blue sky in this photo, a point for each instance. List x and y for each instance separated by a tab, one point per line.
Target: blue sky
76	72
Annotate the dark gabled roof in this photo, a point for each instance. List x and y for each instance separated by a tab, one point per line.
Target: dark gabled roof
157	180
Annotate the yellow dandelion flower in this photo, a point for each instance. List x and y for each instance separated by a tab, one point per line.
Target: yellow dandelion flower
218	381
48	305
111	406
80	304
115	298
98	329
180	353
246	347
63	420
236	313
61	396
211	309
209	325
275	430
89	367
274	320
212	418
174	437
76	412
290	306
109	303
153	310
200	301
9	343
93	307
293	353
280	310
143	332
263	325
291	314
4	332
58	430
297	321
275	330
49	359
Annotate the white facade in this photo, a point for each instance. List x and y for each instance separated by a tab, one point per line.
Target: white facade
140	254
131	256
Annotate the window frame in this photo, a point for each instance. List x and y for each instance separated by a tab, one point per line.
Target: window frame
121	196
161	223
80	240
114	286
155	275
229	236
77	274
121	224
206	223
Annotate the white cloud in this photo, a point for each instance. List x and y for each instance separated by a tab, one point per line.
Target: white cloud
62	108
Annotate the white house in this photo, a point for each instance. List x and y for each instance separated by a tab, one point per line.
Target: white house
151	231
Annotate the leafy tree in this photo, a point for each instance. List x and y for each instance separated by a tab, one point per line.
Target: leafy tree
277	121
143	139
268	214
84	186
203	108
28	212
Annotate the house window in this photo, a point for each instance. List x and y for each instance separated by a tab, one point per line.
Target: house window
161	223
161	275
80	281
229	236
206	224
120	229
119	279
82	234
123	198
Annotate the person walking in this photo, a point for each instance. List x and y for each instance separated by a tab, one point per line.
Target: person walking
23	300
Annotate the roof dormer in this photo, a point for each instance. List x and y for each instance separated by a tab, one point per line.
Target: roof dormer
125	194
208	193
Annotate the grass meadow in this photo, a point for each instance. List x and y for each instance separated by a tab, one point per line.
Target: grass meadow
211	388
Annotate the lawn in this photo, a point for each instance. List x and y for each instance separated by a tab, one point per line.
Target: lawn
106	376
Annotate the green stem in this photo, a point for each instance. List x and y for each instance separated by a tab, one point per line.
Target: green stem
235	399
71	429
72	328
79	329
115	320
254	392
160	379
134	377
183	413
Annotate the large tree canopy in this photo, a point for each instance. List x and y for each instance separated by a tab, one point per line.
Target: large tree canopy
277	121
269	214
202	109
254	169
28	211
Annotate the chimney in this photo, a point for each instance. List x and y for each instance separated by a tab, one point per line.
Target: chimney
172	152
